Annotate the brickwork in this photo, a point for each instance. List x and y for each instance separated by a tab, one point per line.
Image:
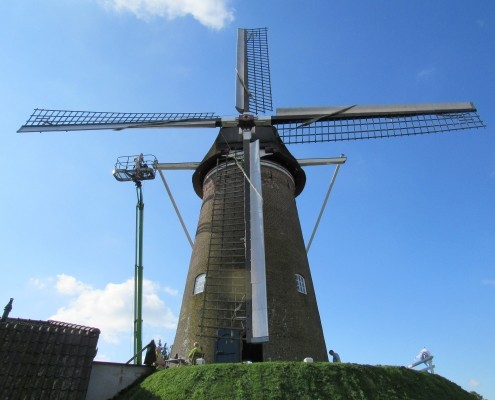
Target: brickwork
294	320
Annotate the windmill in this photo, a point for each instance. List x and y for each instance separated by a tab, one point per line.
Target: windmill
249	293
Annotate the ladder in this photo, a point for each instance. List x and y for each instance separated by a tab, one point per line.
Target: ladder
224	301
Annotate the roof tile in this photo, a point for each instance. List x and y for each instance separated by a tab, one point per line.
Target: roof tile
45	359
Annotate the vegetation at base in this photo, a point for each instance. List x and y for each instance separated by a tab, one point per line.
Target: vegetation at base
294	380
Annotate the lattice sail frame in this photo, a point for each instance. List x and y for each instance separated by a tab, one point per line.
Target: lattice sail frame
65	120
336	130
253	84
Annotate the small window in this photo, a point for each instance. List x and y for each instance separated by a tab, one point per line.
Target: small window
301	284
199	284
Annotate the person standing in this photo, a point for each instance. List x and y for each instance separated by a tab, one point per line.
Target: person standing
335	356
150	357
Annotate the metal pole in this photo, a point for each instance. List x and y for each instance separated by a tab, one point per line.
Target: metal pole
138	276
136	239
323	207
175	207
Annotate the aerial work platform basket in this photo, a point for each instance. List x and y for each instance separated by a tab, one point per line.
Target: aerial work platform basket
135	168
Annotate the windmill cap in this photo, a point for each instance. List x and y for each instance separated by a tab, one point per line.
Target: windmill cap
229	140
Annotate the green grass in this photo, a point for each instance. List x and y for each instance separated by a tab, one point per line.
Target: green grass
294	380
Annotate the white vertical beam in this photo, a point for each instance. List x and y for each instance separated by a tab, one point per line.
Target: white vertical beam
241	84
258	270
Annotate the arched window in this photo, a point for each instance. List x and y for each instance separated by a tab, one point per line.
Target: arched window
199	284
301	284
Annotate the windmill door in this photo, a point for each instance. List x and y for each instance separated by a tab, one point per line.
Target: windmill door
228	346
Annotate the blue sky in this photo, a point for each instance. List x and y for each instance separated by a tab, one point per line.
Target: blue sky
404	256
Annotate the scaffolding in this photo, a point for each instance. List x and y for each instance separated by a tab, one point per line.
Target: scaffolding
224	301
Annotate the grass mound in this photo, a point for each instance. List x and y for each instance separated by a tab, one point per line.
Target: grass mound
294	380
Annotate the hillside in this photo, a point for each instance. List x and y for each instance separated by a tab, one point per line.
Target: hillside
291	380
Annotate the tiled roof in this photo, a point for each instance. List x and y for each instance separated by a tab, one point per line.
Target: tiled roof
45	359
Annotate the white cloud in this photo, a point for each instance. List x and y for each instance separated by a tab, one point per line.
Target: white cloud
67	284
473	383
111	309
214	14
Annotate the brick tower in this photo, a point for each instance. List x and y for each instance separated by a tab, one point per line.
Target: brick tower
215	309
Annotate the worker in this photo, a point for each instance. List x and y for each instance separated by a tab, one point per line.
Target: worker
335	356
195	353
150	357
160	360
139	161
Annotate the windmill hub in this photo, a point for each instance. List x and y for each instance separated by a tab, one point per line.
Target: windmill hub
246	122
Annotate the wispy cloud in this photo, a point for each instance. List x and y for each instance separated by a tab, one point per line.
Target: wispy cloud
473	383
171	292
111	308
490	282
214	14
425	73
40	283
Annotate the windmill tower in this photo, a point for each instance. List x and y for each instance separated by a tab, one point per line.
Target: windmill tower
276	321
249	293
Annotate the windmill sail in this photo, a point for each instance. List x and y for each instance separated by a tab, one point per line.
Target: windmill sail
42	120
332	124
253	86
